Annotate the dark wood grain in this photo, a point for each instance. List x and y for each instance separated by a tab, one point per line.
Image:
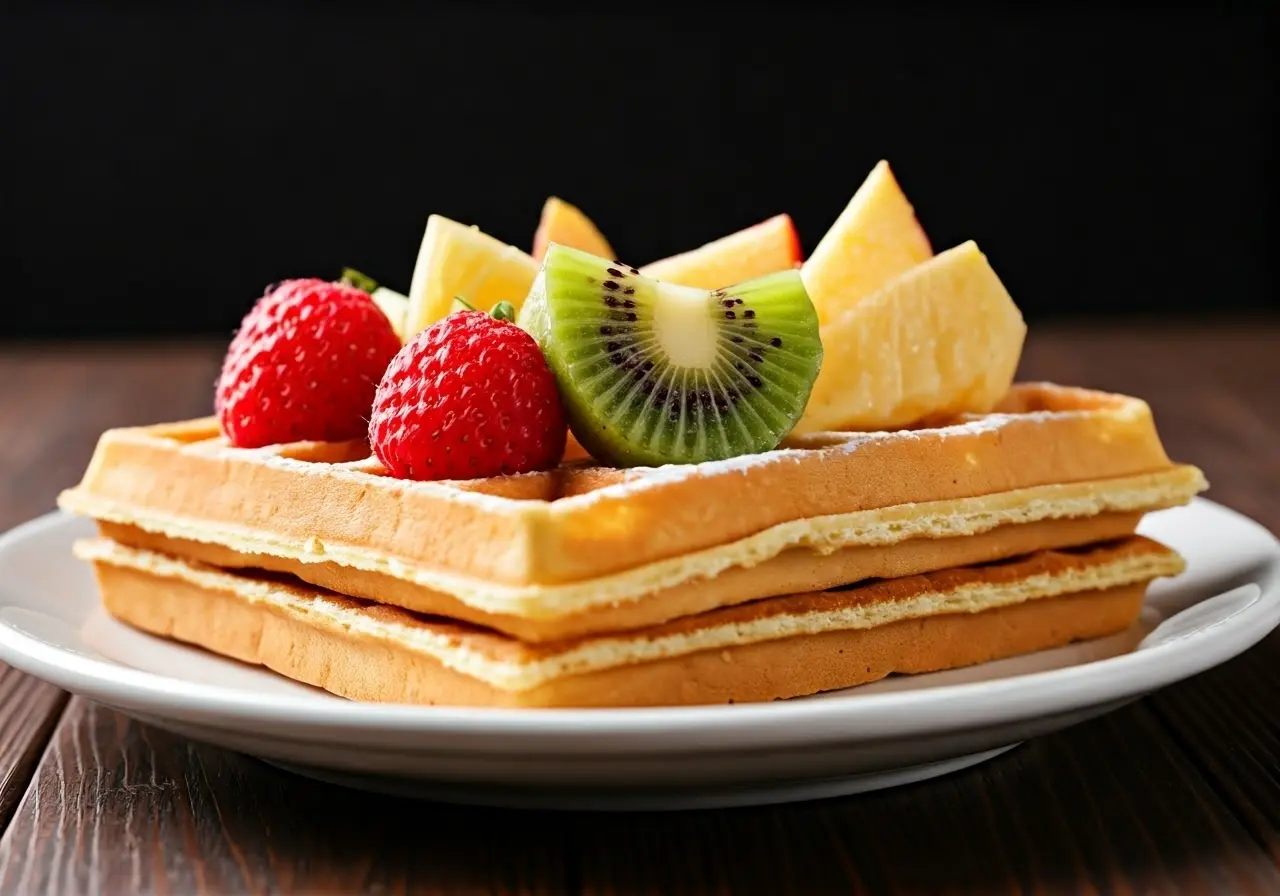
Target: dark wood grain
198	819
1178	793
54	401
1228	721
1110	806
29	710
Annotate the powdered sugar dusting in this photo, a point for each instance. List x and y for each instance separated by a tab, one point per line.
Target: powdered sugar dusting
353	473
831	444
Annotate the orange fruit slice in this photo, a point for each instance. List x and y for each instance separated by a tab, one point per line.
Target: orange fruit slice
566	224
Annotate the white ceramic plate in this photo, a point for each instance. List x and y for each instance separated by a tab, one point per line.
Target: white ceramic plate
893	732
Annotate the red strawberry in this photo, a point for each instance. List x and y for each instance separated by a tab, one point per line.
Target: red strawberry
470	396
304	365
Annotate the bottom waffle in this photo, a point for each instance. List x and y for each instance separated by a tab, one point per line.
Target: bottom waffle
769	649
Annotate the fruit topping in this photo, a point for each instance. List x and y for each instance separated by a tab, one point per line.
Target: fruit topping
655	373
876	238
470	396
943	338
459	260
566	224
767	247
304	365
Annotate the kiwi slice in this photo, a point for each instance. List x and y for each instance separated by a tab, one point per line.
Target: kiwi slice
654	373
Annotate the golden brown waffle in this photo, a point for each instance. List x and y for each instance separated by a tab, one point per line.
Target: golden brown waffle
587	549
769	649
792	571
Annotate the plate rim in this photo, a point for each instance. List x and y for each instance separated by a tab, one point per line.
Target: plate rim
932	711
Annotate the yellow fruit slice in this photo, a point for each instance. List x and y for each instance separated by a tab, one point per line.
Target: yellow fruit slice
566	224
456	260
876	238
765	248
393	305
943	338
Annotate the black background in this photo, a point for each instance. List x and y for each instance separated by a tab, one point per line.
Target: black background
161	166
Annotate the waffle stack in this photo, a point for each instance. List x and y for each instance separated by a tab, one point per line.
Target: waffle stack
833	561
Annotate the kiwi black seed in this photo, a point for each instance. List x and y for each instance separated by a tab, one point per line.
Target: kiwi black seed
654	373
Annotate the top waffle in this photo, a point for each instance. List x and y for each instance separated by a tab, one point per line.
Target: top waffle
331	502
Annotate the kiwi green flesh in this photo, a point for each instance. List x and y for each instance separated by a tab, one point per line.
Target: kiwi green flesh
654	373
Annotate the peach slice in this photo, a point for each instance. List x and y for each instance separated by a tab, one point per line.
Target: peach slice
765	248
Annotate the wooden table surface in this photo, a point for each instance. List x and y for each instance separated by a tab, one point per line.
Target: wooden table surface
1179	792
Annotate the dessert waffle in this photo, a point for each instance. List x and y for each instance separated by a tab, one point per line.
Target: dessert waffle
585	549
775	648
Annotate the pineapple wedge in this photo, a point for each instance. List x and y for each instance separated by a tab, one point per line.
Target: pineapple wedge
943	338
876	238
457	260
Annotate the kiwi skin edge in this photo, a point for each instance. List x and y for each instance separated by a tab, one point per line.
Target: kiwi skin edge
758	425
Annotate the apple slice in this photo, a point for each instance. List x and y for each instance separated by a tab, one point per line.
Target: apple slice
566	224
767	247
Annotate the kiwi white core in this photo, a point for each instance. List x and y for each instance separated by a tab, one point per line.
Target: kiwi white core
683	326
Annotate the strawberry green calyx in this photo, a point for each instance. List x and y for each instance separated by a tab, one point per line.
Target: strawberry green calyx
501	311
352	277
